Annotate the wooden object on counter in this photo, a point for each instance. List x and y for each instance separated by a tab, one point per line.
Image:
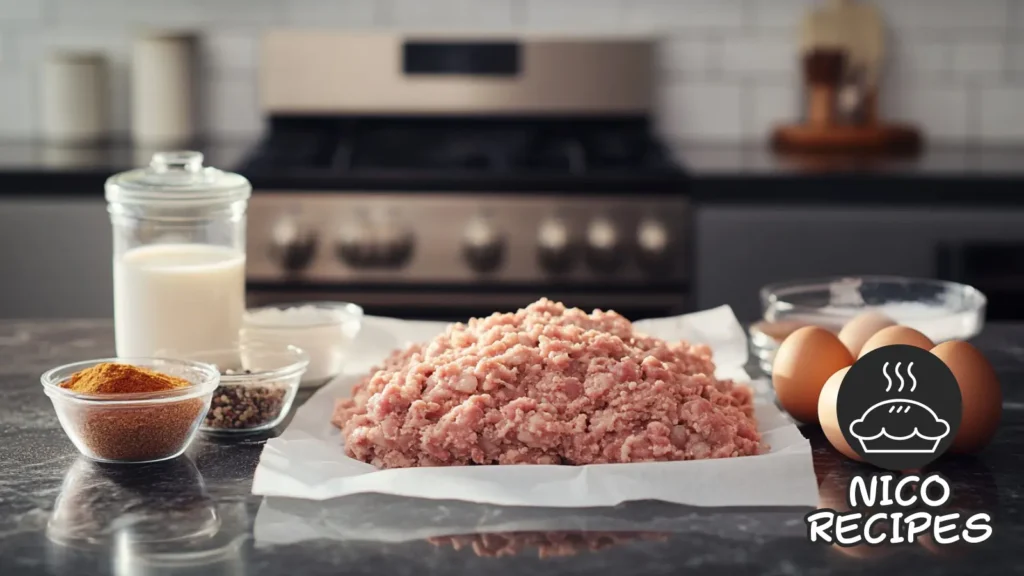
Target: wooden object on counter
843	47
823	69
880	139
822	106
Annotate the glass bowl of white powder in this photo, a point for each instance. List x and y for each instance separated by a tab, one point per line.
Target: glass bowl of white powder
940	310
325	330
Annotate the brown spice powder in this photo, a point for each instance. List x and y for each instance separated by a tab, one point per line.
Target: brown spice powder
133	433
140	433
113	378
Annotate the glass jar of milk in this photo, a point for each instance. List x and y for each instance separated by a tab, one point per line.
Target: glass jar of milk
179	256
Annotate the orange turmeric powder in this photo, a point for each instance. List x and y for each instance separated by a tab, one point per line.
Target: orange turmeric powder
113	378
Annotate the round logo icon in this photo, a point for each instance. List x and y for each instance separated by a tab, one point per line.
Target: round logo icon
899	407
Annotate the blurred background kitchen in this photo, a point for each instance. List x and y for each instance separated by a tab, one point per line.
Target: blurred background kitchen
446	158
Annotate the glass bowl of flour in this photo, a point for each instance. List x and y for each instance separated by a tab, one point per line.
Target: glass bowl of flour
940	310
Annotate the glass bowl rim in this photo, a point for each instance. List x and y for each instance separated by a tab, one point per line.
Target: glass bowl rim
974	299
350	307
292	370
52	378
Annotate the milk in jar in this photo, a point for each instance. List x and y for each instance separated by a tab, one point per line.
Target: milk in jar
179	256
178	297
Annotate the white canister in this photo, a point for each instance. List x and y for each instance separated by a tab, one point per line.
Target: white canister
163	90
75	98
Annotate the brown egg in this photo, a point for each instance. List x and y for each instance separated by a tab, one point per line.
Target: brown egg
896	335
862	327
828	417
802	364
778	331
980	391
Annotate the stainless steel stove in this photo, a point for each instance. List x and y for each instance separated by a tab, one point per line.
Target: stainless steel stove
440	176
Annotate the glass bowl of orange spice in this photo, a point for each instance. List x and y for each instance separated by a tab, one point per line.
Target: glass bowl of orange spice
131	409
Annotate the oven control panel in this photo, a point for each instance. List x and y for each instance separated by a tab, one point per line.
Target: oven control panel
464	238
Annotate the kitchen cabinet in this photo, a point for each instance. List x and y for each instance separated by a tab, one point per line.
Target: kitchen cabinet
741	248
55	258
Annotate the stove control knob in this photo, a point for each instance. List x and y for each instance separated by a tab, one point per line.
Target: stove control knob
292	246
604	253
554	246
652	239
394	245
483	246
354	246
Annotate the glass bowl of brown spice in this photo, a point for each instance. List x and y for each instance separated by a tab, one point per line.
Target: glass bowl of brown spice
131	409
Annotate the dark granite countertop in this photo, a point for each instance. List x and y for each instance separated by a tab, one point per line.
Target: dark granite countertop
720	173
61	514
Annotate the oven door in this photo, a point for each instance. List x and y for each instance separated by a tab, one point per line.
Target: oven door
461	304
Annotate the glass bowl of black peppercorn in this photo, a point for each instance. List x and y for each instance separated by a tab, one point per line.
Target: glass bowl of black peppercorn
256	389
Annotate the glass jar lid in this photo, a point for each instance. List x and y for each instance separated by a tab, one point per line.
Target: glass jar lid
177	179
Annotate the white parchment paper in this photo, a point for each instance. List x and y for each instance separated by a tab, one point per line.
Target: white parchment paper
307	461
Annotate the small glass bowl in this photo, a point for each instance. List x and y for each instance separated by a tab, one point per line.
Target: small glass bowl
259	395
940	310
328	342
138	427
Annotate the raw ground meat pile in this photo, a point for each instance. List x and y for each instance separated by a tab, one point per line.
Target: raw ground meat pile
548	544
546	385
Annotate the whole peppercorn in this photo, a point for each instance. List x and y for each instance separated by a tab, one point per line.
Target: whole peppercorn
240	406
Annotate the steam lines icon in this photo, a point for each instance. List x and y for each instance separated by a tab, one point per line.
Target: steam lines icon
899	425
913	381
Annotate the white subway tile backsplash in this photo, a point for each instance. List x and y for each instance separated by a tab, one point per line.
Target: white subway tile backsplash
110	42
689	58
233	13
682	14
778	14
777	55
330	13
772	105
729	68
574	15
229	50
231	105
20	10
942	112
179	14
17	105
947	14
985	57
445	14
1002	114
701	111
919	57
91	13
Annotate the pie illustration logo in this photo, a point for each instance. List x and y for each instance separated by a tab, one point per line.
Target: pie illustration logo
899	407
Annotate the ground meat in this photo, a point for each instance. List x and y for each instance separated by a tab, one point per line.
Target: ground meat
548	544
546	385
